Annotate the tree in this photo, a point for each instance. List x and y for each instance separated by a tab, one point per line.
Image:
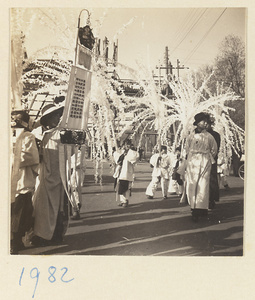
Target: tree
228	72
230	64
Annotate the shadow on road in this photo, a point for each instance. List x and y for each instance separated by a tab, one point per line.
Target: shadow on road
157	228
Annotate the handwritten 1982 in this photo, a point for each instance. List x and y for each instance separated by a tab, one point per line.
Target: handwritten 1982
34	274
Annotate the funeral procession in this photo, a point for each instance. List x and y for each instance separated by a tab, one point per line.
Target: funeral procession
127	131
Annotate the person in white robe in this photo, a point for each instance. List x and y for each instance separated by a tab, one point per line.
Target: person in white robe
124	172
78	169
160	174
25	163
50	201
201	148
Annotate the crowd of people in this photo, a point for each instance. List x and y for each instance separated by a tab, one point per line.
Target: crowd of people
194	172
41	206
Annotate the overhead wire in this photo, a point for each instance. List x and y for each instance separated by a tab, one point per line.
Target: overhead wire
182	28
187	33
203	38
189	23
192	18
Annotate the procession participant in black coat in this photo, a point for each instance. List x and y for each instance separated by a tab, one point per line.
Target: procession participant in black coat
214	185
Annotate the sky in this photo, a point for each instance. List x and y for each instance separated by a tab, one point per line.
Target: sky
192	35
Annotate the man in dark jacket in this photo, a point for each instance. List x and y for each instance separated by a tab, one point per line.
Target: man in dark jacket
214	185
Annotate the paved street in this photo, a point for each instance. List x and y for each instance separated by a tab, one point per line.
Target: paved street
150	227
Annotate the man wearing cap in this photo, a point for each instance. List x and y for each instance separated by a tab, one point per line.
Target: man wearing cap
24	173
50	201
201	149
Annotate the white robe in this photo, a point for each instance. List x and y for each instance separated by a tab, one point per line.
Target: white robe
25	165
126	172
49	196
201	149
161	170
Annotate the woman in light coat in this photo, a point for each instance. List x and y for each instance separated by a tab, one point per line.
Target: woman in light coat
201	149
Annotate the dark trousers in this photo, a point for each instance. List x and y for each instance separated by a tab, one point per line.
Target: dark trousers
21	217
214	191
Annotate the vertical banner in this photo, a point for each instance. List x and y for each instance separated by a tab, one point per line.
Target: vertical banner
84	56
76	111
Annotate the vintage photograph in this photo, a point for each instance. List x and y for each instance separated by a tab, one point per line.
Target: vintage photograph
127	131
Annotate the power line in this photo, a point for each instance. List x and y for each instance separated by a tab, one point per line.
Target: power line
191	18
203	38
199	18
185	24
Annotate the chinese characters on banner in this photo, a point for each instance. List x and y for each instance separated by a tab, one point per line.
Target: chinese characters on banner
76	110
78	98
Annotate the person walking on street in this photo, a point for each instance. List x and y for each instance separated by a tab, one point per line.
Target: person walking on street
160	163
176	183
50	199
214	191
223	172
124	172
78	169
24	173
201	149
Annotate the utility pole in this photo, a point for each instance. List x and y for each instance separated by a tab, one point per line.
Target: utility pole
179	68
105	50
115	53
168	65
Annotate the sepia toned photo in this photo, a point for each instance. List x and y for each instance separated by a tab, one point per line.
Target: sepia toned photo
127	129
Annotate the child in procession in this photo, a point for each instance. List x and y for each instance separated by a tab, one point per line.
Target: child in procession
160	163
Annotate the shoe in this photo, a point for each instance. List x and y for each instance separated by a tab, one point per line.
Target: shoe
56	240
183	203
123	204
76	216
165	197
38	241
211	205
14	251
149	197
195	216
226	186
16	247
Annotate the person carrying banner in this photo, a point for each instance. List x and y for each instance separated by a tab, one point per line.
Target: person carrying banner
50	200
